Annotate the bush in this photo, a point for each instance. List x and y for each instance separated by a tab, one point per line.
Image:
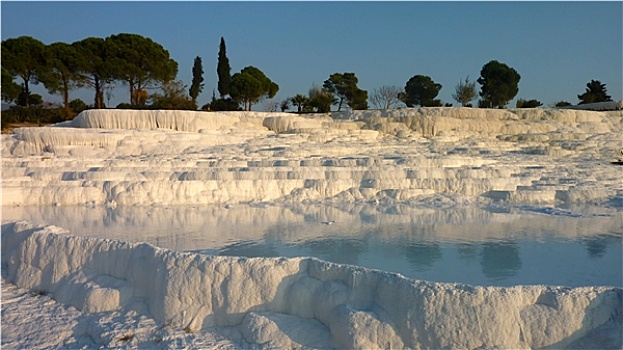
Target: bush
521	103
78	105
35	115
222	105
562	104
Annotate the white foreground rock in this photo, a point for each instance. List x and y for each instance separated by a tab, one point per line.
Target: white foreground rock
304	301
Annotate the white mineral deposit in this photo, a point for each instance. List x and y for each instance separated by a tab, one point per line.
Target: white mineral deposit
69	281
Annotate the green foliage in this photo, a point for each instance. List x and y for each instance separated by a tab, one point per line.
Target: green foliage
285	105
344	86
77	106
173	96
95	66
223	104
197	84
499	84
465	92
320	100
140	62
521	103
561	104
60	74
300	100
595	92
10	89
223	71
358	100
485	104
35	114
421	90
250	85
24	100
24	57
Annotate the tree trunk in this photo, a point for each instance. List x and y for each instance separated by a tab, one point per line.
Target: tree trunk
133	97
99	94
26	91
66	94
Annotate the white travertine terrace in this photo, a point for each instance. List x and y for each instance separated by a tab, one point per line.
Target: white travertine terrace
302	301
139	157
429	156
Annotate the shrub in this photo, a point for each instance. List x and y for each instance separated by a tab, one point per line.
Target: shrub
35	115
521	103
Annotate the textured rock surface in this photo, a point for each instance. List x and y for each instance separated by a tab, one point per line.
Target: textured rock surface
288	302
188	158
431	157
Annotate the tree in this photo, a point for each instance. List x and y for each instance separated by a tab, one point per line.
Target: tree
385	97
77	105
140	62
250	85
224	104
358	100
561	104
344	86
499	84
94	66
10	89
173	96
595	92
421	90
299	101
61	73
464	92
24	57
521	103
285	105
320	99
271	106
197	84
32	99
223	71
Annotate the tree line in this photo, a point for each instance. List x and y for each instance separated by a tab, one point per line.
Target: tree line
144	65
129	59
499	85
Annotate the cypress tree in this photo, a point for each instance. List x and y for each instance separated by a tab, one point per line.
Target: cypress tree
223	70
197	85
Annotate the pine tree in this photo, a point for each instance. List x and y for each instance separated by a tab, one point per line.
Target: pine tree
223	70
197	84
595	92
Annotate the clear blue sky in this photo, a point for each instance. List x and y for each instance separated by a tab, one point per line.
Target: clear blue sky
557	47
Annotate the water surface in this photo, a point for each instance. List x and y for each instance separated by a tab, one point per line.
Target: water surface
482	246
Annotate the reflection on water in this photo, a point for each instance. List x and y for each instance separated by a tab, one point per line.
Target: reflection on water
422	257
523	245
596	247
500	260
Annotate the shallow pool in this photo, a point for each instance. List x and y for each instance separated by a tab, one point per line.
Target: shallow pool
499	246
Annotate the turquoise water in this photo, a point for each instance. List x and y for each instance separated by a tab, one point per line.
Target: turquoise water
553	261
481	246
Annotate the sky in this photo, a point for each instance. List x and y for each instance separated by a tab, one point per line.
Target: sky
556	47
